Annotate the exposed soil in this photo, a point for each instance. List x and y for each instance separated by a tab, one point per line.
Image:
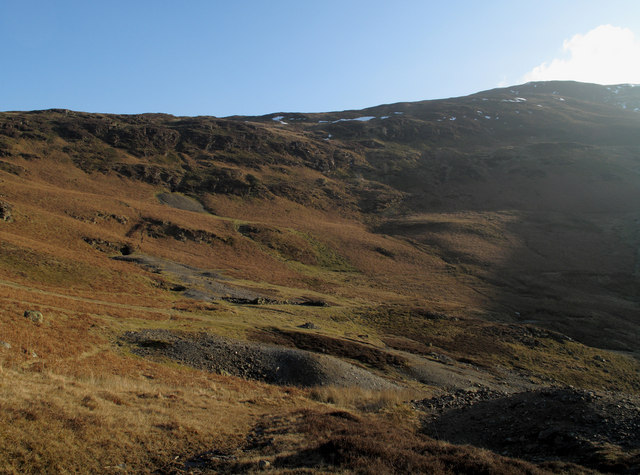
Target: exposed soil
207	285
198	284
433	369
439	371
594	429
178	201
268	363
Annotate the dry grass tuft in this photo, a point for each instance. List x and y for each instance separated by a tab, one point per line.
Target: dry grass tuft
363	400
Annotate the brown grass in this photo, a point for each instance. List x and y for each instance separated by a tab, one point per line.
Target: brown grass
103	424
367	401
343	441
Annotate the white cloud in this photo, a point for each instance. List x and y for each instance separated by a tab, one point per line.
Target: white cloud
605	55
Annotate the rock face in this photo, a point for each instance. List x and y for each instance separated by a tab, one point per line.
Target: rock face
34	316
6	212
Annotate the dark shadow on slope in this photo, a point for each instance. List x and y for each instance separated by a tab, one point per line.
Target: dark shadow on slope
550	233
596	430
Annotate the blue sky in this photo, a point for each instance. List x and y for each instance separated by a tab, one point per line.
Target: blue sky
255	57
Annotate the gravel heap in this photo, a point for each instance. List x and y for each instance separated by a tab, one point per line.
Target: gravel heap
269	363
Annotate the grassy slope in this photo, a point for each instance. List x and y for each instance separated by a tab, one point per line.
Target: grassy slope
466	246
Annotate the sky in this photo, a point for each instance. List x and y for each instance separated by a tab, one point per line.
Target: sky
253	57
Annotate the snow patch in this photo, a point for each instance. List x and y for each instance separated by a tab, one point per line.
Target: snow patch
278	119
364	119
359	119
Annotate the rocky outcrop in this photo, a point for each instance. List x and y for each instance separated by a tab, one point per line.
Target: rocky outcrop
158	229
16	170
226	181
109	247
34	316
152	174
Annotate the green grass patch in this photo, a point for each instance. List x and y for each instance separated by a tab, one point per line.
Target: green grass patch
300	247
327	257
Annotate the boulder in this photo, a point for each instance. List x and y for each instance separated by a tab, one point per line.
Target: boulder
6	212
34	316
309	326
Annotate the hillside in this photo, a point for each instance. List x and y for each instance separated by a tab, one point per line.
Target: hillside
219	293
